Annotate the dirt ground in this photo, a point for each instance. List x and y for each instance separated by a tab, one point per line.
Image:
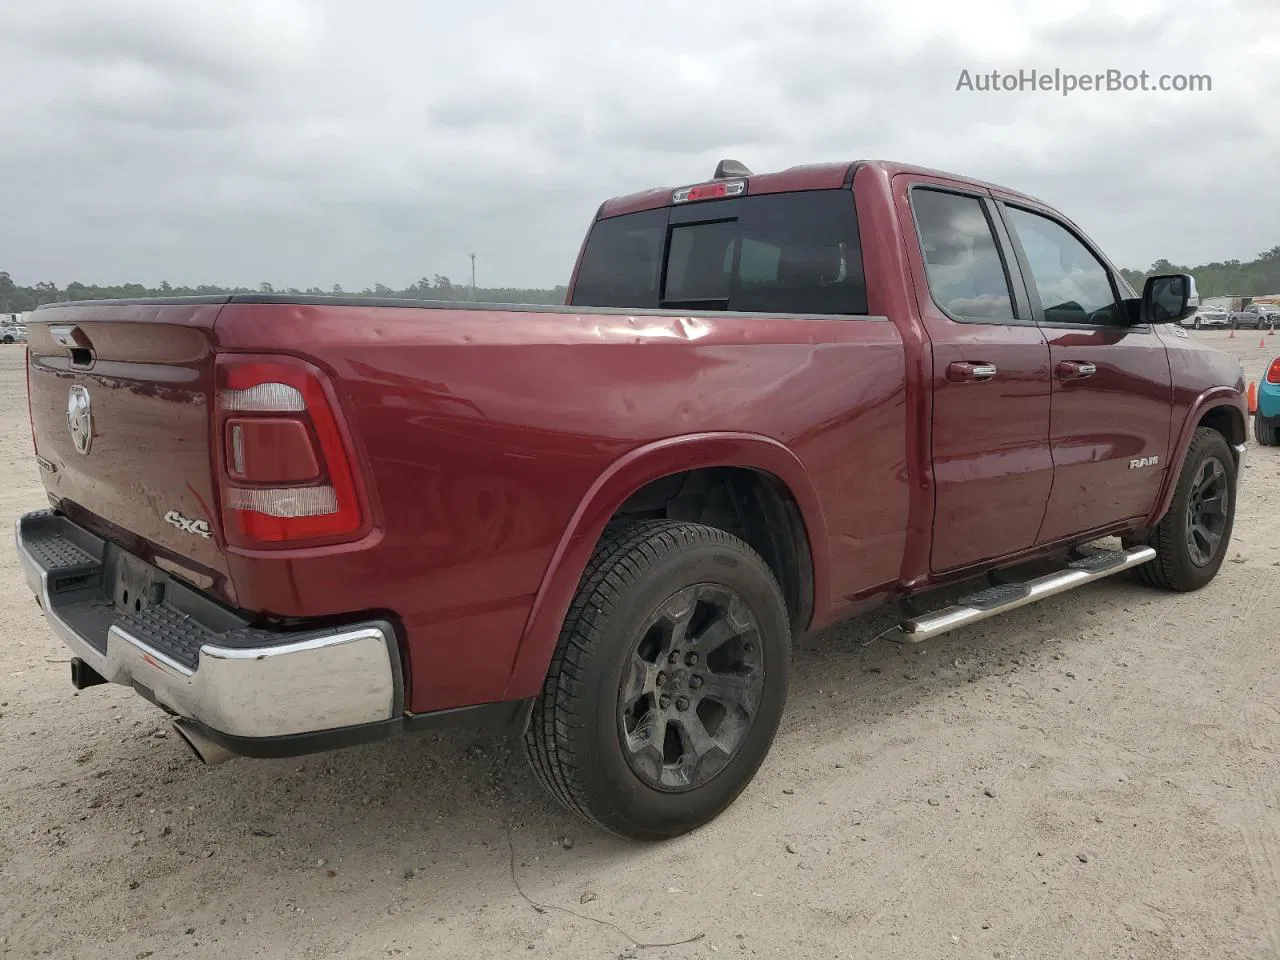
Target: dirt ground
1094	776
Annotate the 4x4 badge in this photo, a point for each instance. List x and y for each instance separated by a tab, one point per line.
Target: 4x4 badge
199	527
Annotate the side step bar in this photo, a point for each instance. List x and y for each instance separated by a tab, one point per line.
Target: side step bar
1009	596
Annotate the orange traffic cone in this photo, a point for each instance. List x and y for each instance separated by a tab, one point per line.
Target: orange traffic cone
1253	397
1262	342
1232	335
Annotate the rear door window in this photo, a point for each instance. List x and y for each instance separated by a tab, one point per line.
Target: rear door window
772	253
966	273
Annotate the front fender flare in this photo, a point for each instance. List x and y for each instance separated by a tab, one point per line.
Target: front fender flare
611	490
1211	399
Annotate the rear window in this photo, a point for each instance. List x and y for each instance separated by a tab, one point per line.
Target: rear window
774	253
620	263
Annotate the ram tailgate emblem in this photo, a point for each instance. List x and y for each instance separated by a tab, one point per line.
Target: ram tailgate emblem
199	527
80	418
1144	462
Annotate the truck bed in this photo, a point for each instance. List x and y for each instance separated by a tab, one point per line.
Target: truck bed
479	430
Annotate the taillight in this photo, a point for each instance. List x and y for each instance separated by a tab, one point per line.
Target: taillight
286	469
267	450
1273	371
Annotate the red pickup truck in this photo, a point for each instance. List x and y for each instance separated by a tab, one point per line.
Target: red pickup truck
771	401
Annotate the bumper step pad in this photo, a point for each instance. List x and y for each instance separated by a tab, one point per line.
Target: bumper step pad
128	622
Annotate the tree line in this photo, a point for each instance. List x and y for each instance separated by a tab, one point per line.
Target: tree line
1230	278
15	298
1254	278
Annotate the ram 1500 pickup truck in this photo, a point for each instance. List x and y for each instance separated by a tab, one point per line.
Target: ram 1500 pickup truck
771	402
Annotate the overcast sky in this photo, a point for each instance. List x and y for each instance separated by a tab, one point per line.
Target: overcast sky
312	142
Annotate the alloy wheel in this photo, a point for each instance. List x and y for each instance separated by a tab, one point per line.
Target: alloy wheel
1207	511
691	688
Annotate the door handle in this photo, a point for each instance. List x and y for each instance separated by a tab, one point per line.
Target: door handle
963	372
1075	370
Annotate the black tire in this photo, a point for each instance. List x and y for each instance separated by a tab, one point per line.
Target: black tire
582	739
1264	430
8	339
1176	565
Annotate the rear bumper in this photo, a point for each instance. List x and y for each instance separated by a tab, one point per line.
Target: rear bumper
242	685
1269	400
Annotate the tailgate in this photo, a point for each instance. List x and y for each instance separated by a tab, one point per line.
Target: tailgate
120	408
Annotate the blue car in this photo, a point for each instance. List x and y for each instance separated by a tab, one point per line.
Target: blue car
1266	422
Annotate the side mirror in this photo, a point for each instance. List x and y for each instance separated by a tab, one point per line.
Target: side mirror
1169	298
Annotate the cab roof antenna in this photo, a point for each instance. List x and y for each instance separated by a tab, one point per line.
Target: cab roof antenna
730	168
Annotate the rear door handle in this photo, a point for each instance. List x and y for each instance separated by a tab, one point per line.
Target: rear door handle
1075	370
963	371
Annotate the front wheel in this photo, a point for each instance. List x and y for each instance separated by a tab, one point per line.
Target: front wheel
1191	539
668	681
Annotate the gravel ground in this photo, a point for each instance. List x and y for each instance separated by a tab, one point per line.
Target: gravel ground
1094	776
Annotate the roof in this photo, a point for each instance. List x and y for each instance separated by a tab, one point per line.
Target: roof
812	176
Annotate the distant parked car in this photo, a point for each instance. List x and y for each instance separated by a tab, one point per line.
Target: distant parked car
1255	316
12	332
1208	317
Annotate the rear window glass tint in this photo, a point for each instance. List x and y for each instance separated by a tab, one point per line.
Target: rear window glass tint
774	253
620	263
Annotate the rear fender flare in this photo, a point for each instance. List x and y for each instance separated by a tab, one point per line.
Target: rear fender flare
1209	400
611	490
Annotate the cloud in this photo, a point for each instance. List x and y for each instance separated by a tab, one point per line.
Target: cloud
226	40
308	143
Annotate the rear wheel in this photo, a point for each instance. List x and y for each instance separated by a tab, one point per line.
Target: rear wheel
1264	430
1191	539
668	681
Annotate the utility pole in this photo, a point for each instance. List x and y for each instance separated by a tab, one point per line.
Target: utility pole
473	276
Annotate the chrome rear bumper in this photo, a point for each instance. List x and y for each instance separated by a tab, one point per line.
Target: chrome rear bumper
199	661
